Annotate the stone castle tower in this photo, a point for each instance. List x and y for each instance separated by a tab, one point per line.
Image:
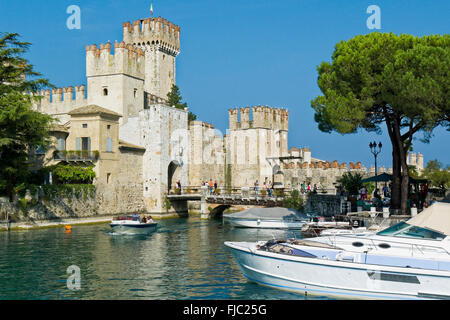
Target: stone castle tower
261	133
124	77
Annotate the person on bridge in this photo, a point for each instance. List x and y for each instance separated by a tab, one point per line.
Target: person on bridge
215	187
211	186
256	188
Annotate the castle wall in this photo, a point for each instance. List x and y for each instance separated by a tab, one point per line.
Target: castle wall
162	131
206	154
60	101
260	134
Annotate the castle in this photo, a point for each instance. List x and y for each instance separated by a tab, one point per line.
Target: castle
140	147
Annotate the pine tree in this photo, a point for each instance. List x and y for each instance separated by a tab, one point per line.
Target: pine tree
382	79
21	128
174	99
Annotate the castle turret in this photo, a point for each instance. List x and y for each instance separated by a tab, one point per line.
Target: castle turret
116	80
233	118
160	39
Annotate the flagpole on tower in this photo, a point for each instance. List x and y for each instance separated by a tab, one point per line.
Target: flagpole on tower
151	8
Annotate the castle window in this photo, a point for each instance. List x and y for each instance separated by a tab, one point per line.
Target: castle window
108	177
105	91
108	127
84	125
108	145
61	144
135	91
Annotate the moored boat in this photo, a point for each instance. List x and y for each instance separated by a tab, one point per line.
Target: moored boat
267	218
133	225
410	260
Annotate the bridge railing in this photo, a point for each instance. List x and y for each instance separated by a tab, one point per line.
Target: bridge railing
245	192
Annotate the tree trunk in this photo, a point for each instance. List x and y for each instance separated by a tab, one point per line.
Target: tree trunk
405	184
396	179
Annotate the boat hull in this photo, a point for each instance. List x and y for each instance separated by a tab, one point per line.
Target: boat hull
339	279
264	224
134	228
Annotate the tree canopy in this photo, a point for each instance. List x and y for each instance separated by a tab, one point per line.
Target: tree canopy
21	128
400	81
438	175
174	99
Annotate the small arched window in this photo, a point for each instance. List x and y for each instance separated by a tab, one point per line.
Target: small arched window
105	91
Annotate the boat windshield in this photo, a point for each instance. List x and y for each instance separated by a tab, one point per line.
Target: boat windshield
403	229
393	229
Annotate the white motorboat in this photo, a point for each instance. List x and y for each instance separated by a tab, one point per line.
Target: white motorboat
339	231
267	218
410	260
133	225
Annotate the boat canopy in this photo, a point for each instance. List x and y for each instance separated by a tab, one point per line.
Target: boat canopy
276	213
436	217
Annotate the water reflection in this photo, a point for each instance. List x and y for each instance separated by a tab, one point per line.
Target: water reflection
183	259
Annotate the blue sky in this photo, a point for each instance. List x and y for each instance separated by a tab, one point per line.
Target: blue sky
236	54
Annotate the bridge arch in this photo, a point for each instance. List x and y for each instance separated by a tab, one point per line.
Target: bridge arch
217	212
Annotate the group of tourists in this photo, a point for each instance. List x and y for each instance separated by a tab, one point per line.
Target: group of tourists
212	186
267	188
306	188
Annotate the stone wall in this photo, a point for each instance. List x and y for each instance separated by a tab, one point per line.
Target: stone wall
206	154
102	201
162	131
324	205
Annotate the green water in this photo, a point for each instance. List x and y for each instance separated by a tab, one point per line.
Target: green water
183	259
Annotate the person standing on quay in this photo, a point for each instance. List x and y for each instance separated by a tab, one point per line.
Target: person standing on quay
256	188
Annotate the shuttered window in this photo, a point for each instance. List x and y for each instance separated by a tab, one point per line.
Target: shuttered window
61	144
108	145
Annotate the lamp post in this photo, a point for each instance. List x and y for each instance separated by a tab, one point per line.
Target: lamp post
375	152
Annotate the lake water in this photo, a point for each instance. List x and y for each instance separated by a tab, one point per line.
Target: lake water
184	259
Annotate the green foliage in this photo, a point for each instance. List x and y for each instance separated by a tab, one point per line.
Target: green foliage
370	186
438	176
351	182
400	81
294	201
413	171
278	193
378	75
22	129
54	191
174	99
22	203
167	204
69	174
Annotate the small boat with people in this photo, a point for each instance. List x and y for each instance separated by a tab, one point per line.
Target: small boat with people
133	224
267	218
409	260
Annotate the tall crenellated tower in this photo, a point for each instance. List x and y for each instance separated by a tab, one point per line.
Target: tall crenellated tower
160	40
116	79
260	134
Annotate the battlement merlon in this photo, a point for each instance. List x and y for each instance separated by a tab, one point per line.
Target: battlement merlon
60	101
263	117
126	59
153	31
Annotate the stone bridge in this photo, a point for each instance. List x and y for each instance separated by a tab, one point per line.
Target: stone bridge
214	205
